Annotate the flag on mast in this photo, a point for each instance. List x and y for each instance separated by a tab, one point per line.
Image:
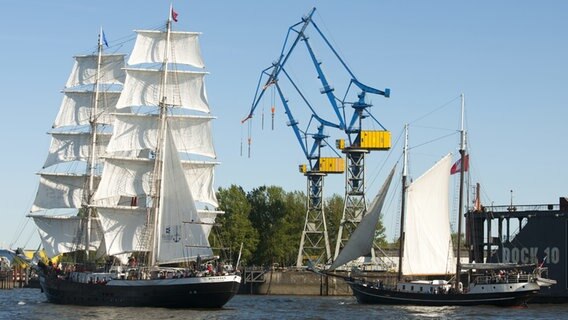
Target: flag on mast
104	38
456	167
174	15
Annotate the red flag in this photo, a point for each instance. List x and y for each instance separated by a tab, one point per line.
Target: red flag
456	168
174	15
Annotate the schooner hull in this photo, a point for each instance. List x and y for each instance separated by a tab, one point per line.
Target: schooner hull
367	294
195	292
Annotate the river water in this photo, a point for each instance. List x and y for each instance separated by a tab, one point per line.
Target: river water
31	304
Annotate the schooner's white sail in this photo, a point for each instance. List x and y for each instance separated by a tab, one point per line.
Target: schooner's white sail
361	241
64	187
427	244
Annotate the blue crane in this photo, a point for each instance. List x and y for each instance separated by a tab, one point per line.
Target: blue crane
351	125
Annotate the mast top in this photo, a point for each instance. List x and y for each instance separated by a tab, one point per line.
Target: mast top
462	128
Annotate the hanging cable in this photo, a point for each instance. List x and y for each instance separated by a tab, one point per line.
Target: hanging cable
273	108
262	118
249	137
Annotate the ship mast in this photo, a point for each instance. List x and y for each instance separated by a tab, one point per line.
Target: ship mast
403	202
158	172
460	208
92	155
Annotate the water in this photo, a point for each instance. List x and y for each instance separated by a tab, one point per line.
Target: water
31	304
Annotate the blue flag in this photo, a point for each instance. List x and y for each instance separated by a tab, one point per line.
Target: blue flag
105	40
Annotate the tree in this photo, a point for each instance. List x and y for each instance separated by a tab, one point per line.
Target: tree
267	208
236	226
333	207
288	230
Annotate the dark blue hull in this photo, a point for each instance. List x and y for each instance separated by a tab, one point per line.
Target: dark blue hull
372	295
171	293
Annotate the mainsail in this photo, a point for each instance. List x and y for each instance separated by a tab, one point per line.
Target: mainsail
157	178
427	244
71	171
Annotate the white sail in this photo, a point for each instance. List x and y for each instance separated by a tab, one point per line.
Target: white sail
64	185
73	146
181	234
85	70
199	177
151	45
76	108
192	134
208	218
124	229
124	178
361	241
143	87
59	191
61	234
129	177
427	244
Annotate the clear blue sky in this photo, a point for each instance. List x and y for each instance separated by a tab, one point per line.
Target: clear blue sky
508	57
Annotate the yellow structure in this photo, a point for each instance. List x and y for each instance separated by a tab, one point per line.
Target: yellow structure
332	165
375	140
326	165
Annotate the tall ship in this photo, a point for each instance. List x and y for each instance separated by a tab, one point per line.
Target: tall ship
126	191
426	250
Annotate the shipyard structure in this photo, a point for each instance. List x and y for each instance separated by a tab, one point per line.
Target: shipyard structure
525	234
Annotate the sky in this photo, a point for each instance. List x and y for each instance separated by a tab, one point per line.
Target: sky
509	59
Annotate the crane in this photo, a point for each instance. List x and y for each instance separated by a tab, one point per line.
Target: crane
314	244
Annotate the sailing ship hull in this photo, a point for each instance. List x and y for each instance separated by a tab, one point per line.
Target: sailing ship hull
367	294
194	292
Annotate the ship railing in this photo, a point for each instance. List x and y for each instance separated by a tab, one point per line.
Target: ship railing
521	208
503	278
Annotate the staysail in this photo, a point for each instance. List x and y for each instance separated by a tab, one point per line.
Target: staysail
427	245
181	234
361	241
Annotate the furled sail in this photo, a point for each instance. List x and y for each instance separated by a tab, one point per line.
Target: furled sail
427	245
361	241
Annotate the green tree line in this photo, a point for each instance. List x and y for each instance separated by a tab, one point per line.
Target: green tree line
269	221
